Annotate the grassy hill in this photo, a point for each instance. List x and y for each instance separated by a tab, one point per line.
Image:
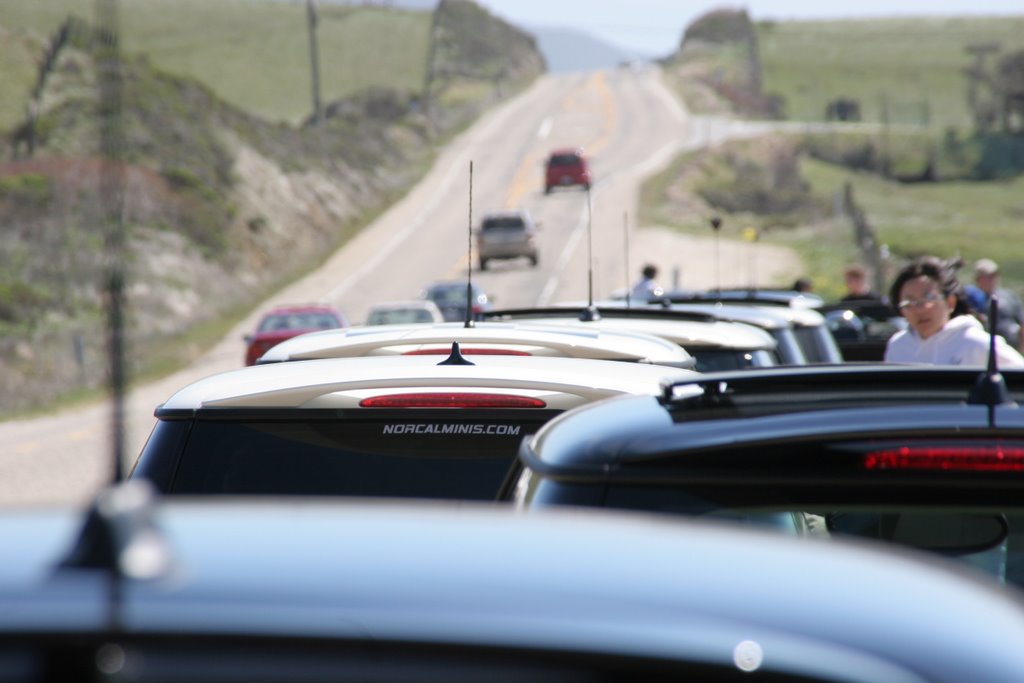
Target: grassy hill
914	67
253	53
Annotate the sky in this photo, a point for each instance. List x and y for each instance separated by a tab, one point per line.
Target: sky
655	27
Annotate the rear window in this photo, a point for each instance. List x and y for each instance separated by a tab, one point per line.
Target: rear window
503	222
399	316
420	456
299	321
455	295
564	160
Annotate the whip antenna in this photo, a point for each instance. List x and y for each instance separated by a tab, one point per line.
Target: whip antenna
469	251
591	312
625	235
716	224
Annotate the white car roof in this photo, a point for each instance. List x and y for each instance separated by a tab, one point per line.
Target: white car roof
549	339
342	382
718	334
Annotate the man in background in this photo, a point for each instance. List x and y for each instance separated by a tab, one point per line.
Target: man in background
1010	309
857	287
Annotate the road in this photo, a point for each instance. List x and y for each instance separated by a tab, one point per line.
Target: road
630	125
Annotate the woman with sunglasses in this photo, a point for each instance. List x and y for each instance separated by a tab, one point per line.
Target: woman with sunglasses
940	330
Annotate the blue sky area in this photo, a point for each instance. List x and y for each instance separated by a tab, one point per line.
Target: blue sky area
654	27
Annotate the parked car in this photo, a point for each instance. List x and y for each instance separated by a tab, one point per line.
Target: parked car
285	322
923	456
405	426
566	168
714	344
484	338
812	332
506	234
788	350
262	590
404	312
862	327
452	298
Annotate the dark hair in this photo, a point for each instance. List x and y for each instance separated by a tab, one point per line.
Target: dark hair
942	272
802	284
650	271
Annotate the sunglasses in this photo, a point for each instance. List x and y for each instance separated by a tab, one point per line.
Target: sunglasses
927	301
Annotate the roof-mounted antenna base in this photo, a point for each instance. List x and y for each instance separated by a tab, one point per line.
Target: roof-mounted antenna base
456	357
590	314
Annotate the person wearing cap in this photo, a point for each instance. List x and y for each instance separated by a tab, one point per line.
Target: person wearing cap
1010	309
940	329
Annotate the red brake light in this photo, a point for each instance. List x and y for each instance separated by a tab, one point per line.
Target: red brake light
995	458
466	352
451	400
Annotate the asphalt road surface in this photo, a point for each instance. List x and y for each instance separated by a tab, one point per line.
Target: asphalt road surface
630	125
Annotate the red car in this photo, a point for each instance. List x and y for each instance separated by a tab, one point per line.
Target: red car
566	168
285	322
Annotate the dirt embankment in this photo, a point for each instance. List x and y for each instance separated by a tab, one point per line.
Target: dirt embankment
203	208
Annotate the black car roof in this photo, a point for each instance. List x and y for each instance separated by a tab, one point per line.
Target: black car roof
764	419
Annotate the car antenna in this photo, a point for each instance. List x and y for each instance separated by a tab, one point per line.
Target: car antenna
469	250
456	357
990	387
118	535
716	225
625	239
590	314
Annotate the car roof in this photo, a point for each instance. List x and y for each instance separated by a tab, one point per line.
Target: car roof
765	317
577	151
744	411
498	213
769	297
532	339
342	383
402	304
301	308
478	575
680	328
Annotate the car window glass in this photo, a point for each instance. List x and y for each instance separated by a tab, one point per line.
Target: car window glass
564	160
405	456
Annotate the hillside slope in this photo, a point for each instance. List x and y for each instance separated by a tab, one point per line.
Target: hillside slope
219	207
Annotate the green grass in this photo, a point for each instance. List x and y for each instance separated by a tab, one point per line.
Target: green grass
969	219
254	54
973	219
915	66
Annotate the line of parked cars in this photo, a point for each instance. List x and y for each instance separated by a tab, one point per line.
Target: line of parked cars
691	488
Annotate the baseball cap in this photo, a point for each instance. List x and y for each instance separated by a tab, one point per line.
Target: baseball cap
986	266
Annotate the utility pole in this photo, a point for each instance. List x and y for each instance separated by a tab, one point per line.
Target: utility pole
314	60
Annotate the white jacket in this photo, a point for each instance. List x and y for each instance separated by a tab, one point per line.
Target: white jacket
961	341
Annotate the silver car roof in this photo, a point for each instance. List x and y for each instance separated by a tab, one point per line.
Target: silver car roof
341	383
556	580
535	339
